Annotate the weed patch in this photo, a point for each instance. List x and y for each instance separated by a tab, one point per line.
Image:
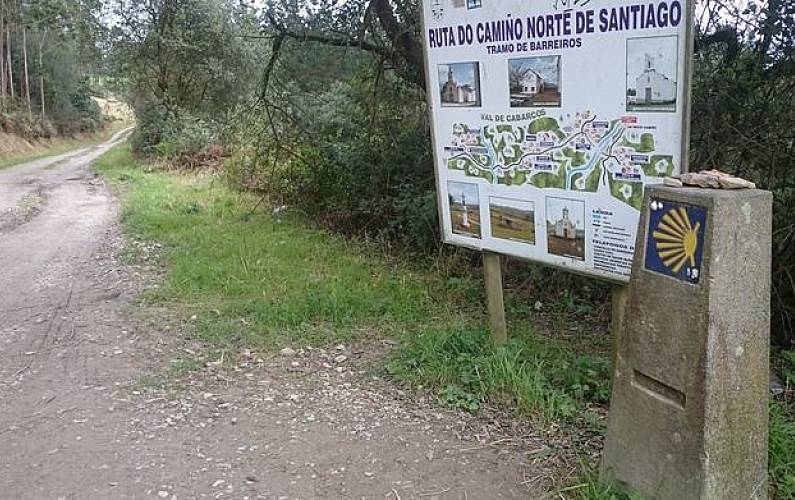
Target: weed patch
593	487
781	452
468	369
262	281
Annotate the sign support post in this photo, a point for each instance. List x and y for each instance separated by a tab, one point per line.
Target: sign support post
492	274
619	294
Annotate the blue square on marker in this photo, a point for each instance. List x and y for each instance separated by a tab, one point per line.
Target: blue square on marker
675	239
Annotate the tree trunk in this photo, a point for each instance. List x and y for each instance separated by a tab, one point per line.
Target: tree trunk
2	59
402	40
42	40
8	62
25	59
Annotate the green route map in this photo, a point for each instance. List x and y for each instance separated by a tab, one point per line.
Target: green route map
575	153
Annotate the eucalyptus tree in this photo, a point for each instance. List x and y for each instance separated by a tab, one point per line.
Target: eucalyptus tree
32	30
184	54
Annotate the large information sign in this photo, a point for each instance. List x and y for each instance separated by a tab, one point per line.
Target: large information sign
550	117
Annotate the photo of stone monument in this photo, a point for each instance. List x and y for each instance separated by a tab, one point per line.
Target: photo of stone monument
464	202
534	82
512	219
651	73
566	227
459	84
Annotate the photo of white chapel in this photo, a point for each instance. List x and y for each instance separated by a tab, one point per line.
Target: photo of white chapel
651	73
459	84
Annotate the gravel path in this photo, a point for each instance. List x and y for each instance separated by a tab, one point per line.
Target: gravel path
77	422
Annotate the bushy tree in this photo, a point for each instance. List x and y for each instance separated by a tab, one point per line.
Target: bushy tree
187	64
744	117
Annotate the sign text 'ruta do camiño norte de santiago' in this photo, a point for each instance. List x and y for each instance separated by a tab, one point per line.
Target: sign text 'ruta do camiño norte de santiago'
550	117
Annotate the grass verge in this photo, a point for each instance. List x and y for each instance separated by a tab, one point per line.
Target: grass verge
260	282
62	145
781	451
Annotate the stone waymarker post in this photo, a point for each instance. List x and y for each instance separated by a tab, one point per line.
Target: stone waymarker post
688	414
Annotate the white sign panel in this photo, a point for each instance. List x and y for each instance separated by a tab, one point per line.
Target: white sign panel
550	117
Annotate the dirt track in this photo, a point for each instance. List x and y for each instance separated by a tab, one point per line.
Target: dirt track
74	422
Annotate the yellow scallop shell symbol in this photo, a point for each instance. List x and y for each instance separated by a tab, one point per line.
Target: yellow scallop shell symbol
676	239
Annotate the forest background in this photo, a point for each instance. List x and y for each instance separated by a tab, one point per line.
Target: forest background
321	106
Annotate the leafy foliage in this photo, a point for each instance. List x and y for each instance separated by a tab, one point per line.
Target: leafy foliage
743	119
186	64
358	159
322	104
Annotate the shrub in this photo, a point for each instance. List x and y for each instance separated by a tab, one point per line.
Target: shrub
361	163
172	136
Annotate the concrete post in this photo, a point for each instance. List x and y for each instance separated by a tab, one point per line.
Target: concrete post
689	410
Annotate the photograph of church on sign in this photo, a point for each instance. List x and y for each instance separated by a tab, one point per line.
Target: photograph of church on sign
464	208
459	84
566	227
534	81
651	73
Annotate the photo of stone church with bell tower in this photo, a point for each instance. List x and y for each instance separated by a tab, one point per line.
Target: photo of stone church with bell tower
459	84
566	227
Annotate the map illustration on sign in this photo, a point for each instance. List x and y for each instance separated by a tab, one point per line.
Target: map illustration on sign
551	118
575	153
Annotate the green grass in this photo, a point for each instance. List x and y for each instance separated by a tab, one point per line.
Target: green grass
262	282
61	145
535	376
781	451
593	487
